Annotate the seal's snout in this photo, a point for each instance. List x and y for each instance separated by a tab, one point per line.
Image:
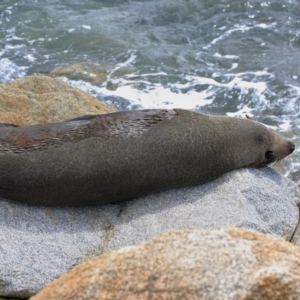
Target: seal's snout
291	147
281	148
286	149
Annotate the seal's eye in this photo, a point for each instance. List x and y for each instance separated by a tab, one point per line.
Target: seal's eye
268	155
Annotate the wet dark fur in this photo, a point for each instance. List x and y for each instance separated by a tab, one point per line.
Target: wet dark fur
124	155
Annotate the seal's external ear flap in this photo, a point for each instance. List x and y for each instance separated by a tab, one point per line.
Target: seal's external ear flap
248	117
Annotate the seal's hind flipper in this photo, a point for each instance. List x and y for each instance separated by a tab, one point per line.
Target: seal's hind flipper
7	125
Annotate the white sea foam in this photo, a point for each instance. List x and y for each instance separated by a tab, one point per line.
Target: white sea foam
226	56
233	66
9	70
237	28
285	125
155	95
30	57
86	27
242	112
236	82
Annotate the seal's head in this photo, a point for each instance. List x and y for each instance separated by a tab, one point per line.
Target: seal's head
274	147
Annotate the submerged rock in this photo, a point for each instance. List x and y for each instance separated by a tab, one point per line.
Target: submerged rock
40	244
208	264
81	71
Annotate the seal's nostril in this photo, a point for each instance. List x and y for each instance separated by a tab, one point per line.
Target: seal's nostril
292	147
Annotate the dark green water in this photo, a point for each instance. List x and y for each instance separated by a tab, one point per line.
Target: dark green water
219	57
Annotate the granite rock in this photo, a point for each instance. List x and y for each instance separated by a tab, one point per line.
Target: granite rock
209	264
39	244
42	99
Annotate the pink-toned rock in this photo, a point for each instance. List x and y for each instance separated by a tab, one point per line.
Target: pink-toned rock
42	99
208	264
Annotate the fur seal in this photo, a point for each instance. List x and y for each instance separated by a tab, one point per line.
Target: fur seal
124	155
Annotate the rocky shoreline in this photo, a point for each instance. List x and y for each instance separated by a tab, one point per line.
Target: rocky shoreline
38	245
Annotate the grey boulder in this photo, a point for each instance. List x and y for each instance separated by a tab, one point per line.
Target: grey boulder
39	244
